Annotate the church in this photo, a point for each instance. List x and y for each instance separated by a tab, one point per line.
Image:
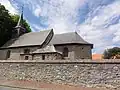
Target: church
45	45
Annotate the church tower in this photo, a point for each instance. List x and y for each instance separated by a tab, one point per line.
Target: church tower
19	29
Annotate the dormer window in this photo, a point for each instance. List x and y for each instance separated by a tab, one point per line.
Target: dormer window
26	51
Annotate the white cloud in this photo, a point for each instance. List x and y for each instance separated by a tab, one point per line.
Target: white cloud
60	14
8	6
37	11
115	30
94	30
36	27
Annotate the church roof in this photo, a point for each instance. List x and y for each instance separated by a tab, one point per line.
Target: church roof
29	39
68	38
39	38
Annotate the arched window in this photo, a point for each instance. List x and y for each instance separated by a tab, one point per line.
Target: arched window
26	57
65	52
8	54
43	57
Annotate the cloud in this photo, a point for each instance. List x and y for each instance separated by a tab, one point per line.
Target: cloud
8	6
37	11
101	29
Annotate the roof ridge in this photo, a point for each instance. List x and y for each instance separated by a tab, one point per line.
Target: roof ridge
65	33
38	32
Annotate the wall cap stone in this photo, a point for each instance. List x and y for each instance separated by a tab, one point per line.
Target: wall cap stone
80	61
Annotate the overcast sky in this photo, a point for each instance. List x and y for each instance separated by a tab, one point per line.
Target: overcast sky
97	21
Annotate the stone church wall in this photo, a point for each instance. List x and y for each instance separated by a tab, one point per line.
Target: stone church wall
3	54
15	53
83	52
105	73
22	57
47	56
77	51
71	49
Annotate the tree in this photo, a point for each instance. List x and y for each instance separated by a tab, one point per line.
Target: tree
7	24
109	53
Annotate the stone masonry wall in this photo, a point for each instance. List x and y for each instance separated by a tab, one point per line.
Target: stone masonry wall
88	73
47	56
15	53
83	52
71	49
76	51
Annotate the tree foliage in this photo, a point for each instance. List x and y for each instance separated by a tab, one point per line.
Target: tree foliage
111	52
7	24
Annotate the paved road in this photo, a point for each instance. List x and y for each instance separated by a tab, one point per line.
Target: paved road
9	88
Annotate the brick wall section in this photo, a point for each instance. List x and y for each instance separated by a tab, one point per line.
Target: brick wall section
104	73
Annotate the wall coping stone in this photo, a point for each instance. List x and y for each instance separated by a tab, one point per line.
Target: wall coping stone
80	61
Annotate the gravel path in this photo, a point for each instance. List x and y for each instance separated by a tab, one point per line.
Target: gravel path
33	85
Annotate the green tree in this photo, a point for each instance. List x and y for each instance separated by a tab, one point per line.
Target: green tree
111	52
7	24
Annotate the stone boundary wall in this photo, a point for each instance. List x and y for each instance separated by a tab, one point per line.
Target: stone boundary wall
104	73
80	61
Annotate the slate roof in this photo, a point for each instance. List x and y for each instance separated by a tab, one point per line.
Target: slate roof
68	38
38	38
28	39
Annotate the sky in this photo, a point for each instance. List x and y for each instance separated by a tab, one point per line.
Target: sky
96	21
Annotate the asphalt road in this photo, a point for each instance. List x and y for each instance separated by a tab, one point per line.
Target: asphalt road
11	88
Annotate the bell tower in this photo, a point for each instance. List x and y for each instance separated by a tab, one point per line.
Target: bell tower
19	29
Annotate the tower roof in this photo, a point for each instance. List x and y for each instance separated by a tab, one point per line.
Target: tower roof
19	27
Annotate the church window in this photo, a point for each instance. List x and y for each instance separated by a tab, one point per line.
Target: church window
65	52
8	54
43	57
26	51
26	57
